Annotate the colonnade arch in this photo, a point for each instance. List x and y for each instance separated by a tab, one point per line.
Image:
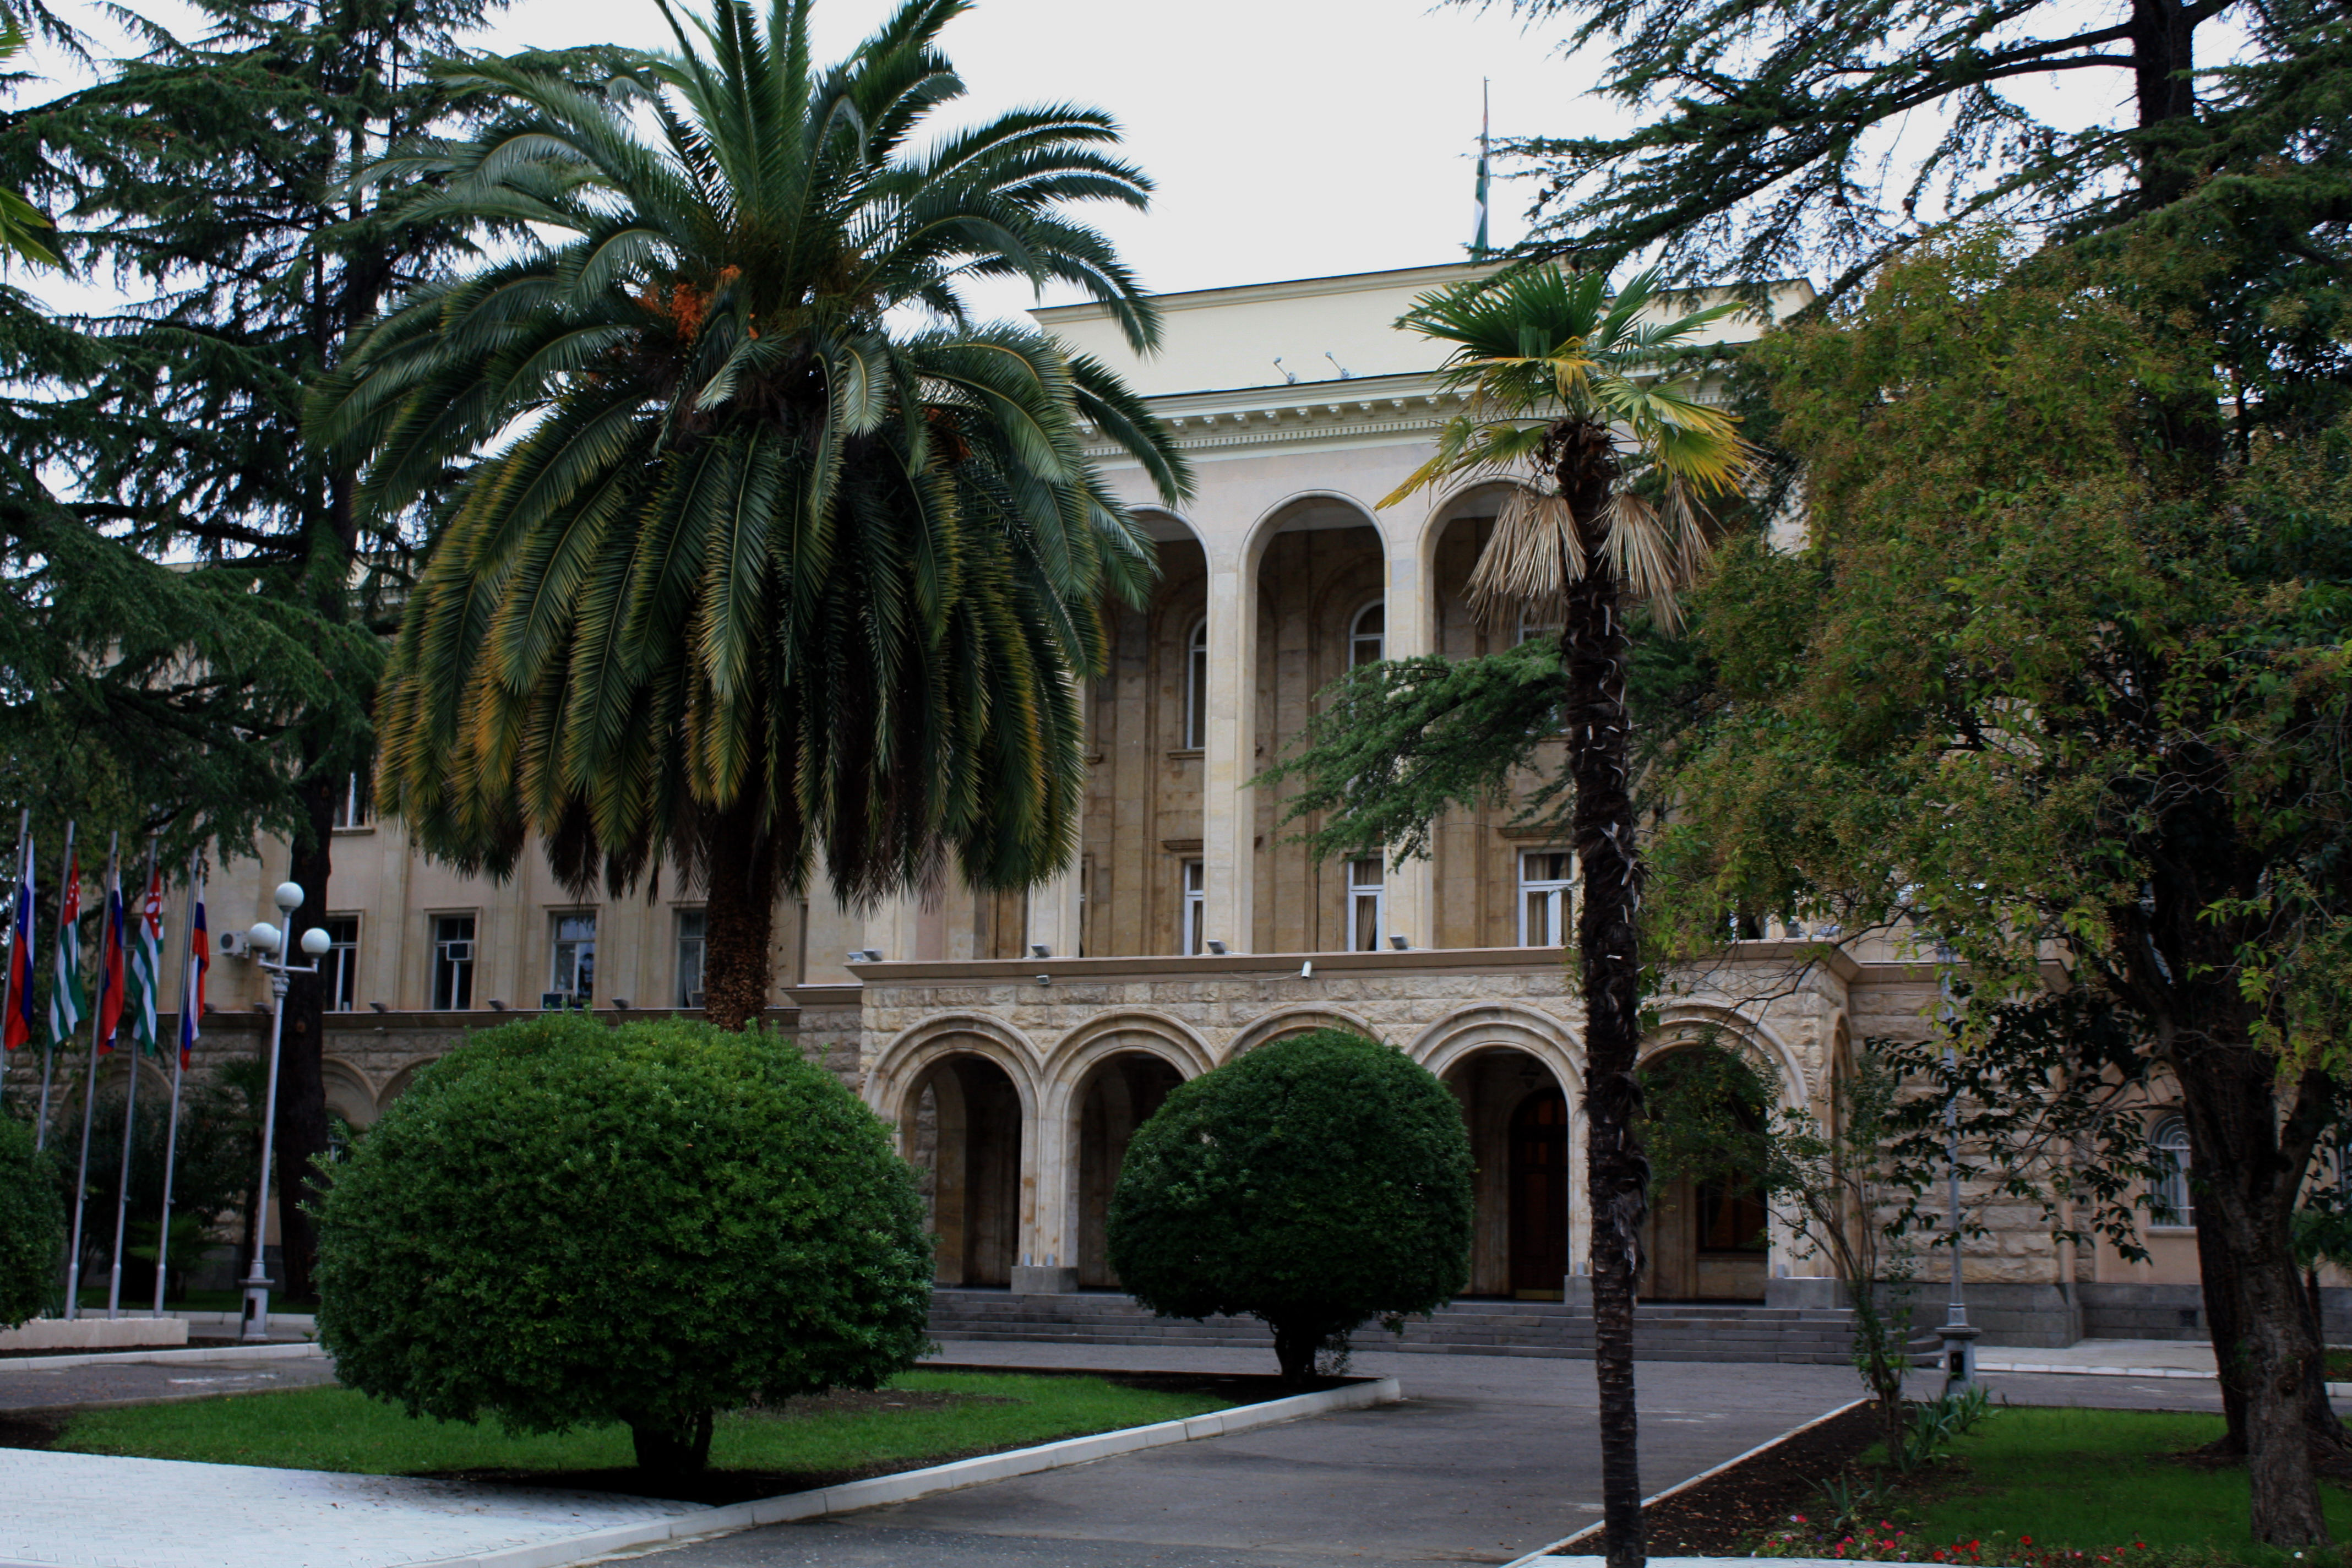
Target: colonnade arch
1514	1073
961	1091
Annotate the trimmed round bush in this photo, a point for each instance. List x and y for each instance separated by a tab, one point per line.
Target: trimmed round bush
1317	1183
32	1226
566	1222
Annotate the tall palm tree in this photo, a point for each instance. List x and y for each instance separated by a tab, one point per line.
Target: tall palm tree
1567	396
792	561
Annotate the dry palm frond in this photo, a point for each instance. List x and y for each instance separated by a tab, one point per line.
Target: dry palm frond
1656	551
1536	551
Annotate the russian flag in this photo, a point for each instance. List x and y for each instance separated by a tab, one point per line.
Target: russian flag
191	985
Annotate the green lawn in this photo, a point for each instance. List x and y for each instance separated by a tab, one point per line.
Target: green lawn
2087	1478
337	1429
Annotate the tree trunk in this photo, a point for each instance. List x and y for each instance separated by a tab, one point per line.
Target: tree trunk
737	971
301	1141
1608	944
2265	1346
1295	1347
673	1444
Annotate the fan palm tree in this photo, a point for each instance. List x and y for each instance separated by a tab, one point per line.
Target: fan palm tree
1566	395
792	561
20	219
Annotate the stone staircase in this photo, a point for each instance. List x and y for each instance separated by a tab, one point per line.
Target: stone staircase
1724	1331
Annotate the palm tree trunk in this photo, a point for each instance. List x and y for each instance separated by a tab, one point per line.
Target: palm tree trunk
1616	1175
737	971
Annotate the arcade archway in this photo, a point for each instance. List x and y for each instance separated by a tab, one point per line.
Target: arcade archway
967	1142
1517	1115
1120	1095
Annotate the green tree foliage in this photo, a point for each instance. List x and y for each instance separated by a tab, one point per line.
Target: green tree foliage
2064	667
564	1223
793	559
229	692
1763	131
32	1225
20	221
216	1160
1316	1183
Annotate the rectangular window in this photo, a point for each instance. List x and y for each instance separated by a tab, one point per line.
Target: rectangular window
1546	886
1193	930
339	969
572	976
690	927
351	805
1368	899
1196	688
453	962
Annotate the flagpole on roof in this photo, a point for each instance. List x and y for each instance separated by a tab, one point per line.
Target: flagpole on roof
193	964
66	882
146	958
90	1078
1478	247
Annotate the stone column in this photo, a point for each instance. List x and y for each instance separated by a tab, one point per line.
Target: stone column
1411	619
1229	807
1053	906
1048	1264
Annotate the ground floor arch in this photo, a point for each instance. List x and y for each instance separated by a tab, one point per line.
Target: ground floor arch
965	1139
1517	1115
1118	1095
1708	1237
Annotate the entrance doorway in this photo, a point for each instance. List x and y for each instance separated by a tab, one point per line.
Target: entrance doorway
1517	1119
1707	1234
967	1141
1120	1096
1539	1196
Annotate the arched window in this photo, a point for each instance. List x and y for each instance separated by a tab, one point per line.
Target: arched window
1196	686
1368	635
2170	1199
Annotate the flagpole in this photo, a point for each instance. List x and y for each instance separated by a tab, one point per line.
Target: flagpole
23	875
89	1080
50	1047
130	1094
188	1005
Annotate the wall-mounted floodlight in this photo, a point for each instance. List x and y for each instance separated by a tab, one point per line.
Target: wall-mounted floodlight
1307	970
1216	947
1400	943
1039	949
864	955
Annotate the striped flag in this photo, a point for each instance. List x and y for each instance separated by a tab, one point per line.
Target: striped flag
68	1001
191	983
110	970
1478	245
18	1028
147	964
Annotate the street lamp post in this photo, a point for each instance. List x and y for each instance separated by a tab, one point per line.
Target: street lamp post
269	940
1959	1336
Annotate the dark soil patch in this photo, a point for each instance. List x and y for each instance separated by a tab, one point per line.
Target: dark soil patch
32	1428
1723	1515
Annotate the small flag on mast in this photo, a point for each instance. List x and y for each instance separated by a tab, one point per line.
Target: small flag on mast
147	965
1478	247
192	984
68	1001
18	1028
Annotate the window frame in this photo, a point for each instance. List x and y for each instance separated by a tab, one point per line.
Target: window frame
1357	636
684	992
1362	898
1193	908
1559	891
557	942
460	970
1196	687
2163	1213
339	966
351	814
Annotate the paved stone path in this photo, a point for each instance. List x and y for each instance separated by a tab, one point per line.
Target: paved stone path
31	1386
96	1512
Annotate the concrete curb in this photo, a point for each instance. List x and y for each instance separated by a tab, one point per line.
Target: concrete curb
276	1349
913	1484
1545	1554
2050	1369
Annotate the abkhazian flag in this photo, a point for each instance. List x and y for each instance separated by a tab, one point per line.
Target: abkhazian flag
192	984
19	1026
147	965
68	1001
109	970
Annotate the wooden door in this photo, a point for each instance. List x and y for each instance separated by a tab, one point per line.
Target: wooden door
1539	1196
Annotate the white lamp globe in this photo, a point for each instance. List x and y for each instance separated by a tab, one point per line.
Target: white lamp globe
316	942
288	896
263	937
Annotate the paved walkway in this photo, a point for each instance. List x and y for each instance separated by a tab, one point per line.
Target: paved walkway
92	1512
28	1385
2114	1358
